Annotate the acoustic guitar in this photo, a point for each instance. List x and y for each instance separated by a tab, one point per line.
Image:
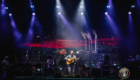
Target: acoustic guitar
71	60
7	66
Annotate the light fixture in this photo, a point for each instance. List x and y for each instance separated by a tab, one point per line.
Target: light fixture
132	6
10	14
129	12
33	13
106	13
59	13
32	6
108	6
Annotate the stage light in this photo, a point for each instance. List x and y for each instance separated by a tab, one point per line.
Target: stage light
118	67
57	6
106	13
132	6
77	52
129	12
108	6
59	13
38	69
81	7
61	68
6	7
33	13
82	13
10	14
32	6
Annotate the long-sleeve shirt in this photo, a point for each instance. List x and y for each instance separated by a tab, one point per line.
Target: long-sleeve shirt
6	62
70	56
50	63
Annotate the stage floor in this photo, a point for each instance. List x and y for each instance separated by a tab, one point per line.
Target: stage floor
51	78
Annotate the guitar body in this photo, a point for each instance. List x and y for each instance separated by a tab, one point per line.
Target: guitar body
70	61
8	66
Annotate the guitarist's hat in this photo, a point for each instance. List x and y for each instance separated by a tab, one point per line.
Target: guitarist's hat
6	56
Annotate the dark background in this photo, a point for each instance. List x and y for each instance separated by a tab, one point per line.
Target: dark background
45	13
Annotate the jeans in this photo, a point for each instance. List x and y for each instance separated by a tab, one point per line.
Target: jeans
71	69
4	76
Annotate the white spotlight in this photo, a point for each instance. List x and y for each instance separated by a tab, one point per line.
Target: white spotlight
57	1
82	2
108	6
81	7
59	13
82	13
10	14
77	52
132	6
6	7
106	13
129	12
33	13
57	6
32	6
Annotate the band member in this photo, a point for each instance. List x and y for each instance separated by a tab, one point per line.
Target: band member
6	64
106	60
71	67
50	66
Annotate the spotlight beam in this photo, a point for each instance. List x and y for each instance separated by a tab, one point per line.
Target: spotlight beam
3	11
130	24
110	7
111	23
31	5
138	6
85	23
30	34
16	33
69	26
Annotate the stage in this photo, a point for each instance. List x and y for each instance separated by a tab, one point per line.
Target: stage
91	39
51	78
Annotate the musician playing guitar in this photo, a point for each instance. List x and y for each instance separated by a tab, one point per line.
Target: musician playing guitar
7	68
5	64
71	61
